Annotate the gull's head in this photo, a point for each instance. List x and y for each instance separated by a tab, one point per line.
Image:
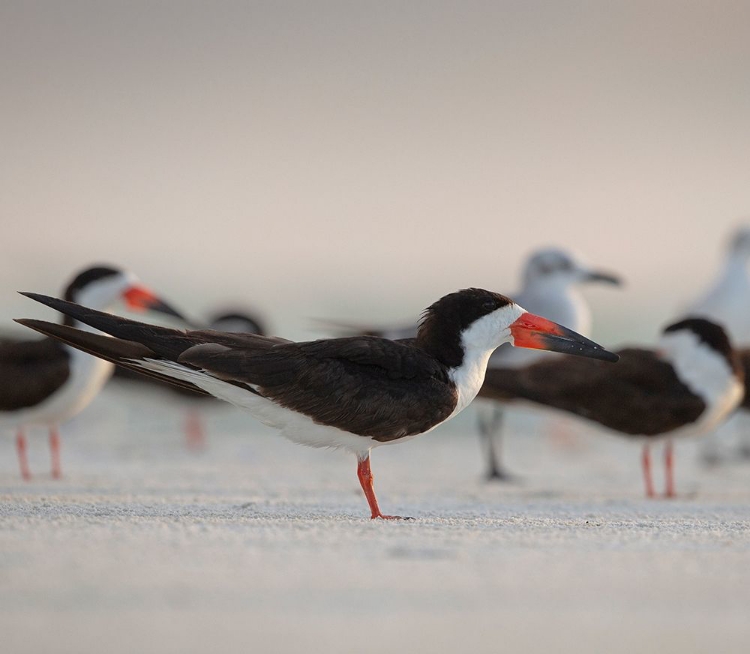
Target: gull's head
554	266
739	242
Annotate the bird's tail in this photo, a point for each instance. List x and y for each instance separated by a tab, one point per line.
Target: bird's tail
162	341
122	352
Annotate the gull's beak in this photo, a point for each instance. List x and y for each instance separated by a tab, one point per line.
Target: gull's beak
601	276
139	298
538	333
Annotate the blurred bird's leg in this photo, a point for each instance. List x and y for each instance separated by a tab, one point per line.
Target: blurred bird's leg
54	448
743	434
669	469
709	451
716	446
562	435
744	449
195	432
23	459
646	463
490	422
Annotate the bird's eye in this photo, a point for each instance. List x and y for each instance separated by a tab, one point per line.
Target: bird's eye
489	305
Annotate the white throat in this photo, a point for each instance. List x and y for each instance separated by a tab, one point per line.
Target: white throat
479	341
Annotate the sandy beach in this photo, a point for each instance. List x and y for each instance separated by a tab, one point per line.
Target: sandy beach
257	544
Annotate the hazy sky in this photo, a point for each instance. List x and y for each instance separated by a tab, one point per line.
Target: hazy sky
362	159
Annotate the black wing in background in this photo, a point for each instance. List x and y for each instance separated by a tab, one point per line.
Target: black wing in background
640	395
31	371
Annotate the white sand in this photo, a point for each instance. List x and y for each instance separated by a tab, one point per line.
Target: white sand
259	545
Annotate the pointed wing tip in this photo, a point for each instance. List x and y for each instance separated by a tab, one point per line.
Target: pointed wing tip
39	297
32	323
41	326
26	322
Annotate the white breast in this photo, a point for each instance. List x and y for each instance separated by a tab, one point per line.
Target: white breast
706	373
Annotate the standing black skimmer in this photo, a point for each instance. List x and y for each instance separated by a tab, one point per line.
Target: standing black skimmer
237	321
353	393
727	302
45	382
551	281
687	386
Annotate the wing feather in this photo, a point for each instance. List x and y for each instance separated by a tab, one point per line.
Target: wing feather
366	385
31	371
641	395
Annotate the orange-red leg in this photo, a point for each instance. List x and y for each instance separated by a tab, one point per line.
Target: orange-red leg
54	448
23	459
195	434
669	469
646	463
365	479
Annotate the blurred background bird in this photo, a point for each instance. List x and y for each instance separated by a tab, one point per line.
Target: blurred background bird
44	382
551	284
239	321
687	386
727	301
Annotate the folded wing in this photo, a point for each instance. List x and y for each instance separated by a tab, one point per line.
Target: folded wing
641	395
31	371
365	385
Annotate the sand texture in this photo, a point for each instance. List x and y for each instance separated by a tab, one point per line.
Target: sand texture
260	545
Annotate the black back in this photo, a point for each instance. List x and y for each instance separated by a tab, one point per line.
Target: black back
363	385
640	395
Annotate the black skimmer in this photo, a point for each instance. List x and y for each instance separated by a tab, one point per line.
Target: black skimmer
353	393
552	278
687	386
234	320
727	301
45	382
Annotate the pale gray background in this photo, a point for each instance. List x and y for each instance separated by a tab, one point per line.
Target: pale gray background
362	159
